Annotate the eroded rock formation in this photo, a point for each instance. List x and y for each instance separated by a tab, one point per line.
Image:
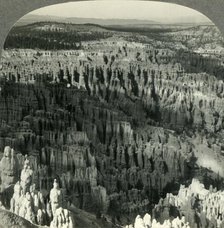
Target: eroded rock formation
196	205
201	207
30	204
147	222
118	124
62	218
9	168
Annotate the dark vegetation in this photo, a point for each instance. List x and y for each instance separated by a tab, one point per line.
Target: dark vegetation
196	63
56	36
53	36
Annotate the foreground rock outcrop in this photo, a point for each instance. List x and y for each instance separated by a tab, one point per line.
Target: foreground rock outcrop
9	219
196	205
30	204
147	222
201	207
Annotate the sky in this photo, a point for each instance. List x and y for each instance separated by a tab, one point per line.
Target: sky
109	9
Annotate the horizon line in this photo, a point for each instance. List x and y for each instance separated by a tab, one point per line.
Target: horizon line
157	20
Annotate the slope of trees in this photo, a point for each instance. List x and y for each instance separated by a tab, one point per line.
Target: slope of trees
69	37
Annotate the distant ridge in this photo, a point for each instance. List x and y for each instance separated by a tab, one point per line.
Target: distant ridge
31	18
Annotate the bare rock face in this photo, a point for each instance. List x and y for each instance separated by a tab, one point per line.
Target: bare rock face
27	202
26	177
55	197
62	218
193	206
15	201
32	205
147	222
9	168
200	207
